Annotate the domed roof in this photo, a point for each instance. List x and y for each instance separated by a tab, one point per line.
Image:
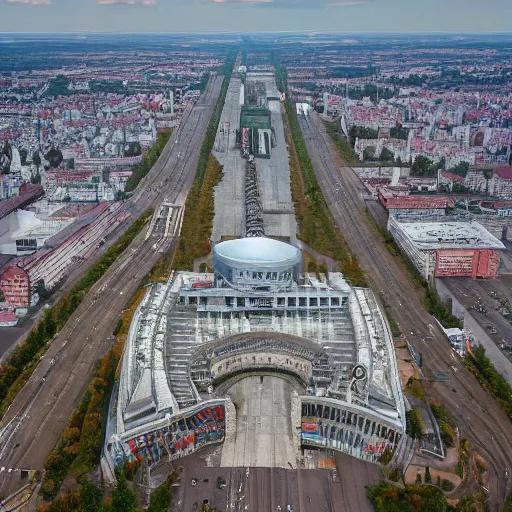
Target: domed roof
257	251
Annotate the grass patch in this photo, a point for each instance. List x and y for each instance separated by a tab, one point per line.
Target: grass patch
25	357
415	388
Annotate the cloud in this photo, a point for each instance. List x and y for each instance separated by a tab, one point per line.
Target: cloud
132	2
30	2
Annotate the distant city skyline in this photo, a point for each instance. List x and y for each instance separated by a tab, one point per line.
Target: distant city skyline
469	16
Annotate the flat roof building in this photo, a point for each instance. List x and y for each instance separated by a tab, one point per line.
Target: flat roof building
447	248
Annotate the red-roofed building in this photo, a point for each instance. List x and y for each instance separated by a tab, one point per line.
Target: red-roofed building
415	205
502	182
28	194
455	178
15	286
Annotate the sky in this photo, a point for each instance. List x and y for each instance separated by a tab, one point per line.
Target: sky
255	15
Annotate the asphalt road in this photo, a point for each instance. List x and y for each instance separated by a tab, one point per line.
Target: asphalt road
36	419
264	489
479	418
475	296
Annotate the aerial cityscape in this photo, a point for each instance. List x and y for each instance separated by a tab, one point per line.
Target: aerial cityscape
252	269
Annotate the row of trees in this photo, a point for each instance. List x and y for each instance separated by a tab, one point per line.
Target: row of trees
79	448
91	498
211	130
311	211
198	221
140	170
24	358
490	378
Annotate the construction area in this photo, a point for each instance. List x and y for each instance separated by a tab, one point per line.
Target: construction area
252	113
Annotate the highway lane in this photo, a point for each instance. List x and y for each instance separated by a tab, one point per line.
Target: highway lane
479	417
176	155
36	419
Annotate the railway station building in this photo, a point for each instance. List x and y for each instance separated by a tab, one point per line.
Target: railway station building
257	312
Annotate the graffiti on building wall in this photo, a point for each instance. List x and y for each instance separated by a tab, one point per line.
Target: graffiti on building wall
181	437
311	431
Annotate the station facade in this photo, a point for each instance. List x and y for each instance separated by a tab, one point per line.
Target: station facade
256	312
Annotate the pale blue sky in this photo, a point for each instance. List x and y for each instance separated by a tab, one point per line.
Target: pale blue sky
255	15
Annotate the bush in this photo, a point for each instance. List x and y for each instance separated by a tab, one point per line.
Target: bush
446	485
386	456
415	388
428	476
442	311
414	424
418	477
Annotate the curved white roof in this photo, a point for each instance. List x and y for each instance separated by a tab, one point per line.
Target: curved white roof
257	251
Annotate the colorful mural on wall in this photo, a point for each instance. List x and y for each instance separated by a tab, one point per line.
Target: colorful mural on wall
181	437
311	431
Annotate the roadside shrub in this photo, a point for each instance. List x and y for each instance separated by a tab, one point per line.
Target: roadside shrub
446	485
415	427
415	388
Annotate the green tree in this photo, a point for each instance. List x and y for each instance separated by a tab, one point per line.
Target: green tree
54	157
423	167
91	497
123	498
386	155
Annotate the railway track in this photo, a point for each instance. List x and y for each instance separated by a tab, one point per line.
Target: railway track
36	419
478	416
